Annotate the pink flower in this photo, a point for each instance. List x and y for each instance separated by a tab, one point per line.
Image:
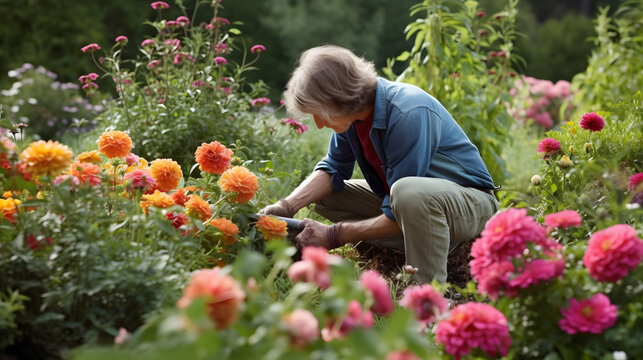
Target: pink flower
563	219
198	83
591	315
536	271
493	279
377	286
613	252
302	326
425	301
221	48
148	42
355	318
74	181
132	159
90	48
544	120
222	20
83	79
153	64
401	355
140	179
592	121
90	85
257	49
208	26
635	180
474	325
262	101
220	60
314	267
548	145
159	5
122	336
183	20
480	14
296	125
173	42
161	101
121	39
172	24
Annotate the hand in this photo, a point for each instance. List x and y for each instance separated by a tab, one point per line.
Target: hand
313	234
280	208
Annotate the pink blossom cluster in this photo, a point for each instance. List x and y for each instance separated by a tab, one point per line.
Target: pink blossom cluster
502	263
542	99
140	179
296	125
314	267
612	253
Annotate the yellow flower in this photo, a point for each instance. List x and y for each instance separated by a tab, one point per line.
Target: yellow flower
167	174
198	208
46	158
89	157
158	199
114	144
8	209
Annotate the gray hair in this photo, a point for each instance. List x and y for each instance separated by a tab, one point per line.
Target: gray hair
330	81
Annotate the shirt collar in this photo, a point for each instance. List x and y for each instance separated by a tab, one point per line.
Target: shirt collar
379	113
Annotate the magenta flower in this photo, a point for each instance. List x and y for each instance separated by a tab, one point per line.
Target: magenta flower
537	271
613	252
220	60
87	78
208	26
635	180
140	179
296	125
198	83
223	20
377	286
159	5
493	279
90	85
172	24
148	42
548	145
563	219
90	48
262	101
220	48
426	302
257	49
474	325
121	39
183	20
173	42
355	318
592	122
302	326
153	64
591	315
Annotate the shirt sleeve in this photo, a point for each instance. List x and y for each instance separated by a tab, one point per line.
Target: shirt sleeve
339	162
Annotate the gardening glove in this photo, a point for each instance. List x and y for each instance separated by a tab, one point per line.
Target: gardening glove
280	208
318	234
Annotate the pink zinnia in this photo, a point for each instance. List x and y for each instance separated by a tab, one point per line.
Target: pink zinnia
302	326
159	5
426	302
90	48
591	315
183	20
548	145
356	317
613	252
592	121
536	271
401	355
377	286
635	180
257	49
121	39
262	101
563	219
313	268
493	279
220	60
140	179
296	125
147	42
474	325
153	64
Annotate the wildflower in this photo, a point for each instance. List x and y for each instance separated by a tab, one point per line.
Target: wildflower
73	181
592	122
87	173
377	286
121	39
89	157
159	5
148	42
9	209
183	20
198	208
46	158
613	252
222	293
114	144
140	179
228	229
213	158
153	64
272	228
635	180
302	326
565	162
90	48
157	199
401	355
220	60
563	219
241	181
548	146
177	219
591	315
262	101
426	302
167	174
296	125
257	49
355	318
536	179
474	325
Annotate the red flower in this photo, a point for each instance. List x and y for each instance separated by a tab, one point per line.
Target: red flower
177	219
613	252
592	122
591	315
548	145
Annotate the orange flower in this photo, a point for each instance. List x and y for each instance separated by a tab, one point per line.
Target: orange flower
223	294
7	194
227	228
158	199
198	208
85	172
8	209
46	158
89	157
272	228
213	158
180	197
167	174
114	144
241	181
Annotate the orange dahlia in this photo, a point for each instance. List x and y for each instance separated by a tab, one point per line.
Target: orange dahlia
8	209
114	144
46	158
86	172
167	174
158	199
227	228
180	197
213	158
198	208
272	228
241	181
89	157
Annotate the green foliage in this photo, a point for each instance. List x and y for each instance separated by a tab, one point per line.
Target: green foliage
463	57
11	304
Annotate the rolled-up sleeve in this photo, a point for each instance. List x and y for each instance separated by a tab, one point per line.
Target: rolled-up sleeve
339	162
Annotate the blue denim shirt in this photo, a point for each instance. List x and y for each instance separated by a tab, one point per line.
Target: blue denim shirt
414	135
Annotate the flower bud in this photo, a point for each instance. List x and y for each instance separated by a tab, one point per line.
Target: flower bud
408	269
536	179
571	149
588	147
564	162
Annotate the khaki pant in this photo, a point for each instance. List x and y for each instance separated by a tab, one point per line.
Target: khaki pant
435	215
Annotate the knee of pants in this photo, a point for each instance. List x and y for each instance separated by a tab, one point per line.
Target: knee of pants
406	194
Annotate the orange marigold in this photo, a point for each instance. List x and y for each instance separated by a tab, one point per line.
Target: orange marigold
86	172
241	181
46	158
198	208
180	197
158	199
213	158
227	228
8	209
167	174
272	228
89	157
114	144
